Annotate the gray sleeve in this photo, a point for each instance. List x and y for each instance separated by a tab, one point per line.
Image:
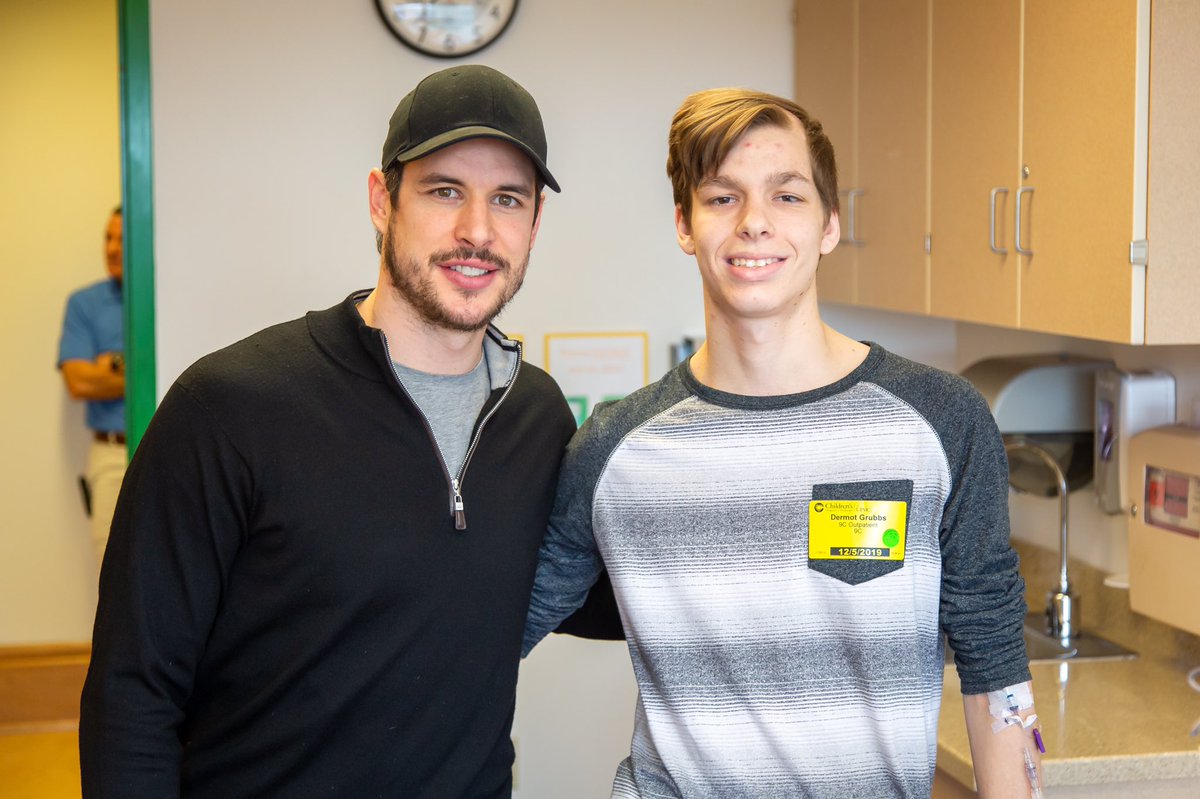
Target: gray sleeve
568	560
983	594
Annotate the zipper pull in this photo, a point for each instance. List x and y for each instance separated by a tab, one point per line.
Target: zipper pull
460	516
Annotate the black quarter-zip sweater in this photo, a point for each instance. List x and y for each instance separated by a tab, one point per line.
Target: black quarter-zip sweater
286	608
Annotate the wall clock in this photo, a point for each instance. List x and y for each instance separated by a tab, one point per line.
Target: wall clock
449	28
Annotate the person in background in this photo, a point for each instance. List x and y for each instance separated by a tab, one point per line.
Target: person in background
322	554
91	357
791	519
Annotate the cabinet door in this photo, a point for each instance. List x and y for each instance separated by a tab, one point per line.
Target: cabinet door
893	51
974	145
825	88
1079	90
1173	291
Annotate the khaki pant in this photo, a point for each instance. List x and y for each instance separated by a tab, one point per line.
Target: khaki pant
105	470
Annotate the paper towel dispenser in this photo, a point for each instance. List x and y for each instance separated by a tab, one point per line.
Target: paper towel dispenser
1126	404
1049	400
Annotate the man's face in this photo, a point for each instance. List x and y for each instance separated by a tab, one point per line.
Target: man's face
113	253
758	228
457	242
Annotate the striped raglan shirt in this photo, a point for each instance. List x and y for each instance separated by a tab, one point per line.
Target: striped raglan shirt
761	671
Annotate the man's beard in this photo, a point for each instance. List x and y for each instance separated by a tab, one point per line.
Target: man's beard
416	286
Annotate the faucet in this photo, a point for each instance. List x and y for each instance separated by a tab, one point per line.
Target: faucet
1061	607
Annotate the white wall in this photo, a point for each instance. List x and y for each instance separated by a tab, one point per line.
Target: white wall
265	126
59	169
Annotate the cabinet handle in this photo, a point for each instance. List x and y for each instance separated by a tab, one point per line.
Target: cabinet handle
852	196
1020	193
992	222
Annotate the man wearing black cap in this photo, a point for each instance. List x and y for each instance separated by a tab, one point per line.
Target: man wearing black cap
321	558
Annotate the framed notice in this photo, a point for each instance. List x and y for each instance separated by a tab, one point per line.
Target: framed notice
596	367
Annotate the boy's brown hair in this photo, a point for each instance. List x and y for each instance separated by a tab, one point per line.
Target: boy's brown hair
708	123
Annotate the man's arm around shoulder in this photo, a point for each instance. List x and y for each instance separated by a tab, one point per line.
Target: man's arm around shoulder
568	560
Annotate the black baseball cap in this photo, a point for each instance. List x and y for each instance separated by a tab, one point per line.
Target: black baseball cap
466	102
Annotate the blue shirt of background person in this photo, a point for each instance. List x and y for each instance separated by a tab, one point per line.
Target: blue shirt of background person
93	325
93	338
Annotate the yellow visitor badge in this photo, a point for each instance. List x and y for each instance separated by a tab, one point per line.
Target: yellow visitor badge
856	529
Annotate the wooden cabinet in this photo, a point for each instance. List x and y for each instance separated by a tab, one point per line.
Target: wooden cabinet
1060	140
825	88
975	144
1026	118
1079	118
1173	203
861	68
892	131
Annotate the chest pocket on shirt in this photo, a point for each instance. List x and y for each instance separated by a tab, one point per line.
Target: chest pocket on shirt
858	531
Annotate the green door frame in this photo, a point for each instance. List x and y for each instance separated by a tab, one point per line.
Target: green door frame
137	199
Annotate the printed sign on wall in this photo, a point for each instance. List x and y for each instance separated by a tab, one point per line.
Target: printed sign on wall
596	367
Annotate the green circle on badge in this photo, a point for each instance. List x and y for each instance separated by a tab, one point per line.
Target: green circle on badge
891	538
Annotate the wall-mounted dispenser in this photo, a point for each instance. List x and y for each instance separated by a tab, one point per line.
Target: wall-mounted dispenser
1126	404
1164	524
1046	399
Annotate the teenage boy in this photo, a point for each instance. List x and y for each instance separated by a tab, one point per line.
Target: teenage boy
792	518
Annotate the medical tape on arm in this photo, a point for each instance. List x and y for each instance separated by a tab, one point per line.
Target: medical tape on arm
1006	705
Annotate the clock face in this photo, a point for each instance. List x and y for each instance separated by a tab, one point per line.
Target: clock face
449	28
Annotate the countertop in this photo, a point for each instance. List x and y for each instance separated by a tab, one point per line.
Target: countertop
1103	721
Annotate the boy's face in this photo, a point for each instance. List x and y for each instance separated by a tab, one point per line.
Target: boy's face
758	228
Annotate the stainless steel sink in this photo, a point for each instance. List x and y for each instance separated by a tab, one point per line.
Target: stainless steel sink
1043	648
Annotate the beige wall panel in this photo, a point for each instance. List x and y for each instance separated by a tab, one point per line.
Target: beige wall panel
975	140
1173	283
60	162
1079	146
892	153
